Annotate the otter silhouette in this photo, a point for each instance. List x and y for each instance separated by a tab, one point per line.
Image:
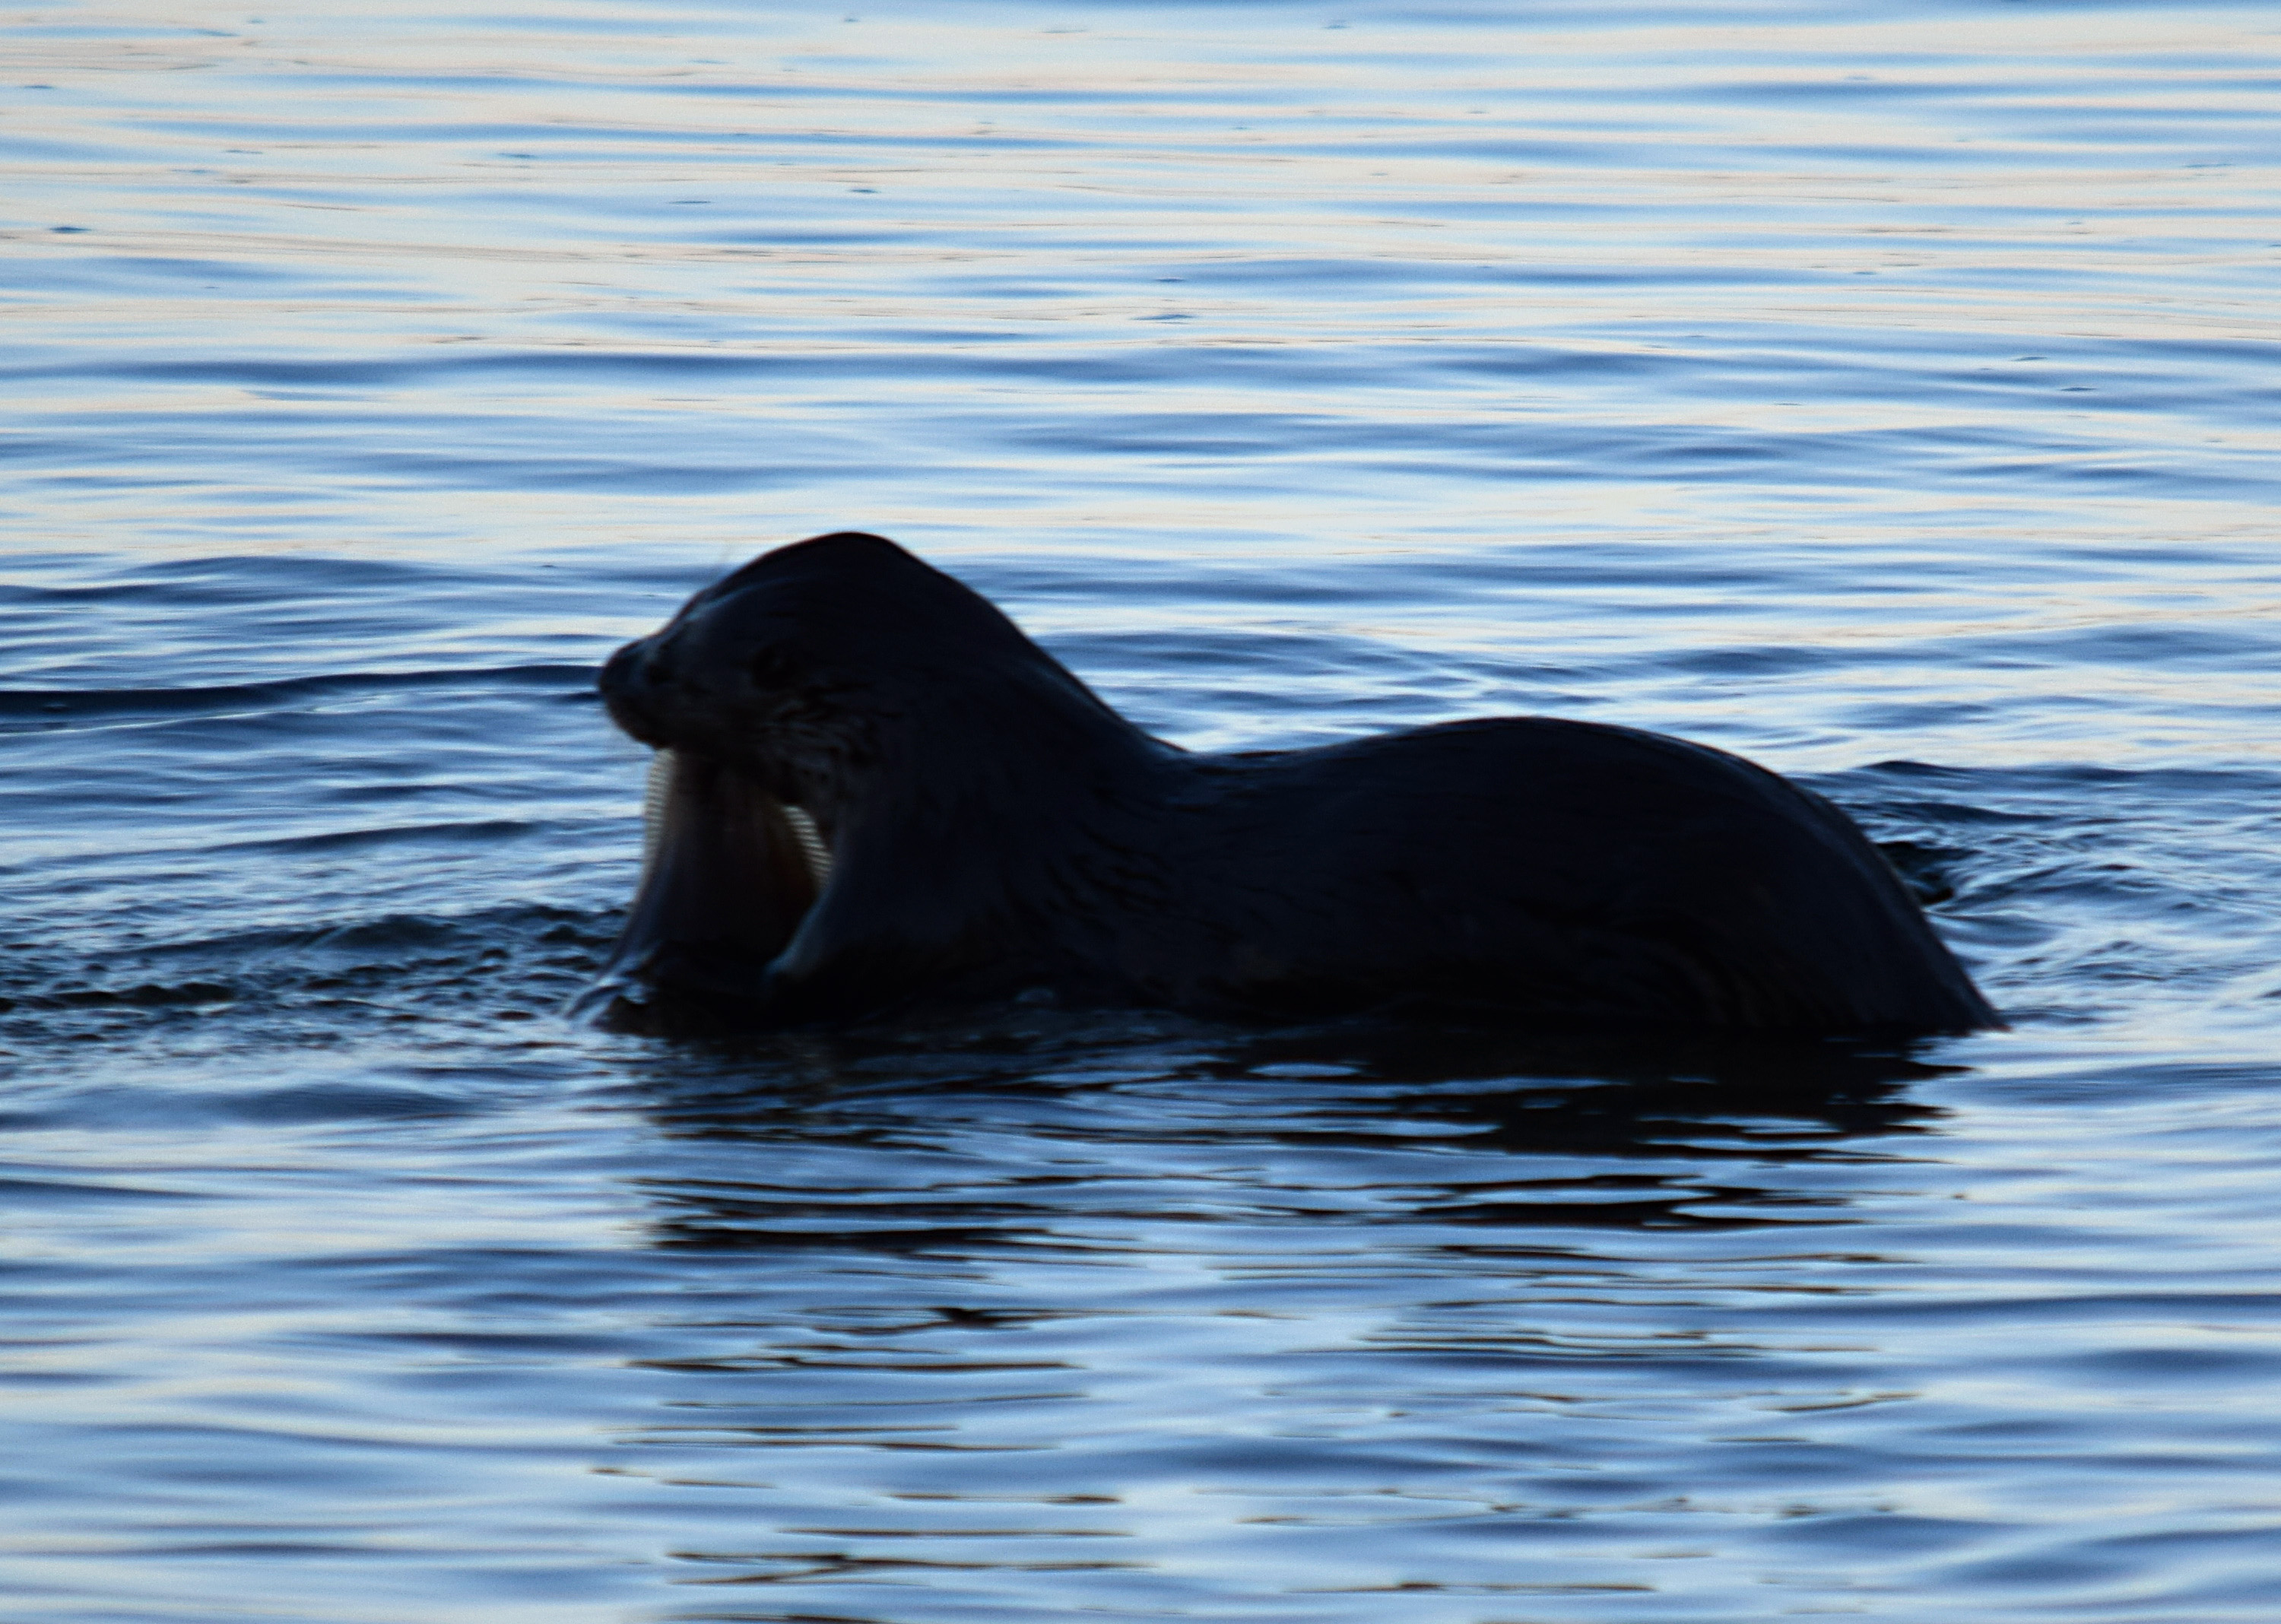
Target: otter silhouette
873	792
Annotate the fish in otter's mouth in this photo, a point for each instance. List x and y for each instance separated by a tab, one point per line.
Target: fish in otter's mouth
658	791
729	871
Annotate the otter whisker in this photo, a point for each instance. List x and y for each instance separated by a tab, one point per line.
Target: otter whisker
656	793
812	847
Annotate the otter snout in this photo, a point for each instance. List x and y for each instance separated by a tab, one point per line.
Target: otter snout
635	688
680	689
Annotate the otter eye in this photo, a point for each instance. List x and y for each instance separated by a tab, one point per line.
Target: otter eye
773	668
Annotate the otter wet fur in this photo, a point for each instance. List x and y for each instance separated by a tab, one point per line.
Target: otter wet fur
873	792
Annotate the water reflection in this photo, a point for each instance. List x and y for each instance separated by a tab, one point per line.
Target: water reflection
1687	1127
1142	1298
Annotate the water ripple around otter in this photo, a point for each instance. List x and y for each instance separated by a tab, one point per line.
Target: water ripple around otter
1887	398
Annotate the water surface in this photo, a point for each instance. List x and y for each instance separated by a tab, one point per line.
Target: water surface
1890	399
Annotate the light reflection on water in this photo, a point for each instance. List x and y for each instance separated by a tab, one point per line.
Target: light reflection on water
1887	399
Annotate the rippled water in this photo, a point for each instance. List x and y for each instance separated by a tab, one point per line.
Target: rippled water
1890	399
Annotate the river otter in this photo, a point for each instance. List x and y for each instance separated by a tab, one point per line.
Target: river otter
873	790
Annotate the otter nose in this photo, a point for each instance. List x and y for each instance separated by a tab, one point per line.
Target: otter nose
635	684
623	671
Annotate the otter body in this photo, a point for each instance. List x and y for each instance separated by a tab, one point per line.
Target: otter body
874	791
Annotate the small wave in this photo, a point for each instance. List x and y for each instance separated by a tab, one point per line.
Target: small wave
31	709
452	834
502	964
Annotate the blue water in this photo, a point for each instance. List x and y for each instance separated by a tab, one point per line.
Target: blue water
1889	394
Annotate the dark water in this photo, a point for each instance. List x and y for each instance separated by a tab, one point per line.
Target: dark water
1887	393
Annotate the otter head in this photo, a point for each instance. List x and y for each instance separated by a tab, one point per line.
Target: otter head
828	694
775	672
